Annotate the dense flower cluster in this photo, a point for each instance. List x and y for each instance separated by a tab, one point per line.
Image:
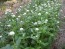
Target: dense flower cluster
33	27
11	33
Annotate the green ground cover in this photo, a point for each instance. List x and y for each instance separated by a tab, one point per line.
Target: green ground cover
33	27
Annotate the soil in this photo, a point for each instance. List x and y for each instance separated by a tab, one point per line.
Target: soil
12	6
60	40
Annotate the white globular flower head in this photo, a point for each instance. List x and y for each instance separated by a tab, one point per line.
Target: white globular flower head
20	6
46	20
21	21
27	10
39	14
9	25
46	12
13	15
39	22
21	29
19	9
24	13
19	16
11	33
35	23
36	29
0	36
58	22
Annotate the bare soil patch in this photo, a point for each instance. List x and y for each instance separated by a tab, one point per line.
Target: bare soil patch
60	40
12	6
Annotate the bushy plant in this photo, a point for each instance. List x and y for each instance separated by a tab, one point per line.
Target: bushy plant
33	27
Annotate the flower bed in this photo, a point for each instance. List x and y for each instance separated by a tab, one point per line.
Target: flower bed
33	27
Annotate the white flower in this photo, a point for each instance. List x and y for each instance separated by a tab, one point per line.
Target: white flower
36	29
46	21
27	10
64	16
35	4
21	29
21	21
9	25
0	36
24	13
39	14
57	21
46	12
39	22
20	6
19	9
35	23
13	16
11	33
19	16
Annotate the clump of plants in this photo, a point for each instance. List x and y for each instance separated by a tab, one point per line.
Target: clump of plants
33	27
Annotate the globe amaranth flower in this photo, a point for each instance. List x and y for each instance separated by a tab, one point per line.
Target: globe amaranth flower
19	16
36	29
13	15
46	20
21	29
11	33
9	25
0	36
27	10
39	14
35	23
24	13
58	22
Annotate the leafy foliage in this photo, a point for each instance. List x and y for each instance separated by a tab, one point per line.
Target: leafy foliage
33	27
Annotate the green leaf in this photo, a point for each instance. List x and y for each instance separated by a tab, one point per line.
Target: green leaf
8	46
